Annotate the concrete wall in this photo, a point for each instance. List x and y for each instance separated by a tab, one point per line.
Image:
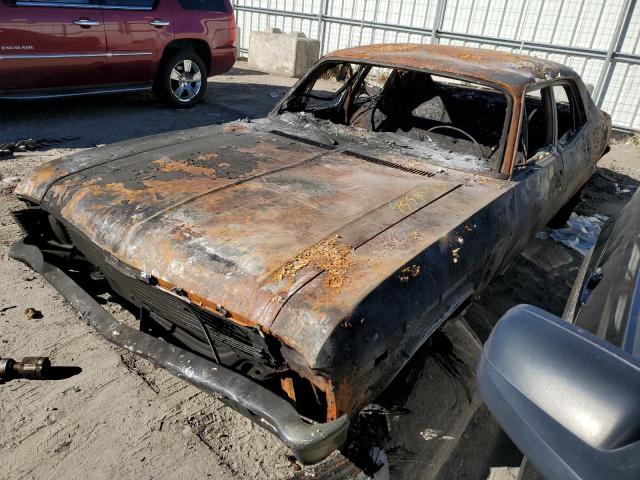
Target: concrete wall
288	54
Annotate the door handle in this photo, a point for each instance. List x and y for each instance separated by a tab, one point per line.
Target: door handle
85	22
159	23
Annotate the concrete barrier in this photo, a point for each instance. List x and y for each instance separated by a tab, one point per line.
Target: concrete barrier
288	54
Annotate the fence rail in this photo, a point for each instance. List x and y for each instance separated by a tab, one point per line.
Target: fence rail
600	39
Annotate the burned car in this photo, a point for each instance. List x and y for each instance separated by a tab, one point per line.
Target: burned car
292	265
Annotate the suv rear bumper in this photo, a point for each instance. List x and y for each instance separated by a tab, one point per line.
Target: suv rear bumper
222	59
310	442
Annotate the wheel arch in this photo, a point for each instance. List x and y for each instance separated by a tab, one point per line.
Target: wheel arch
194	44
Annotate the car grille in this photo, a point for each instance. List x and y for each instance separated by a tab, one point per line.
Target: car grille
244	341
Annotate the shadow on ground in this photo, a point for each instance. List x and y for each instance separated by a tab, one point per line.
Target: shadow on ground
58	372
85	122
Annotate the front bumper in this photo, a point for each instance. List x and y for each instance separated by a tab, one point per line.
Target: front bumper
309	442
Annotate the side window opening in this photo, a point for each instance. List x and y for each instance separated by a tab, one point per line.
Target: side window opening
372	84
537	132
569	111
204	5
325	91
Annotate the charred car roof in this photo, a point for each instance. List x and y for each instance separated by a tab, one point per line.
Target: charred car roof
511	71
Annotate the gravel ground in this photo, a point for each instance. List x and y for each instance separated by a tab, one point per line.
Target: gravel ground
121	417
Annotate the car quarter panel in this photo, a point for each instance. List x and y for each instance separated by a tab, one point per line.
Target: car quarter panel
216	28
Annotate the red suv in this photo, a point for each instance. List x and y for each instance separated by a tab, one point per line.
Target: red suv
54	48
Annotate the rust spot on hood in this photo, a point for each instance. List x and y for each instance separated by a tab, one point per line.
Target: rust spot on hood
330	256
168	165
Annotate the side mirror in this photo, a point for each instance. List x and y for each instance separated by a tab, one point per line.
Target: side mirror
569	400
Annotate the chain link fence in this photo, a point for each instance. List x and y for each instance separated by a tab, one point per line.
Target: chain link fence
600	39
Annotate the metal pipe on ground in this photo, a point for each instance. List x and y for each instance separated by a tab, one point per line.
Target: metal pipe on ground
34	368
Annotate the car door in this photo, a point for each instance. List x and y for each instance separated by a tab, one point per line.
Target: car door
538	176
137	32
573	143
46	45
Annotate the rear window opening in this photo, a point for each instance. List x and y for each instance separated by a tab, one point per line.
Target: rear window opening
454	114
204	5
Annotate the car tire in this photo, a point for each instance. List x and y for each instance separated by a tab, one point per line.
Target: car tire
181	81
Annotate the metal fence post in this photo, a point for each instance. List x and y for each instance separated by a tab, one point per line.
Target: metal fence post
615	46
322	24
438	18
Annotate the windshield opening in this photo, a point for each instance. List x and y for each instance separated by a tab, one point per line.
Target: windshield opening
456	115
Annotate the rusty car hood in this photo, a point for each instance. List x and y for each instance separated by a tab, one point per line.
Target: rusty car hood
240	219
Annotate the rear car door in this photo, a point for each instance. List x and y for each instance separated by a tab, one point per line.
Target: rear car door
137	32
573	143
49	44
539	172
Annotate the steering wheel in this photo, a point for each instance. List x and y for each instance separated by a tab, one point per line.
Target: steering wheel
482	155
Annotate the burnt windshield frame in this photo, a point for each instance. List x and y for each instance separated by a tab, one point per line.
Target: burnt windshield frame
302	88
311	77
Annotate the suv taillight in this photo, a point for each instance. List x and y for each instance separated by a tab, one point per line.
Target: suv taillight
232	29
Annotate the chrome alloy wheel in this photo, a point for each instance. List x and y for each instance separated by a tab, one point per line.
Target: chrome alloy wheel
186	80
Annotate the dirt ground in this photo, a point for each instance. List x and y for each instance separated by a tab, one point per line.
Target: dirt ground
120	417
